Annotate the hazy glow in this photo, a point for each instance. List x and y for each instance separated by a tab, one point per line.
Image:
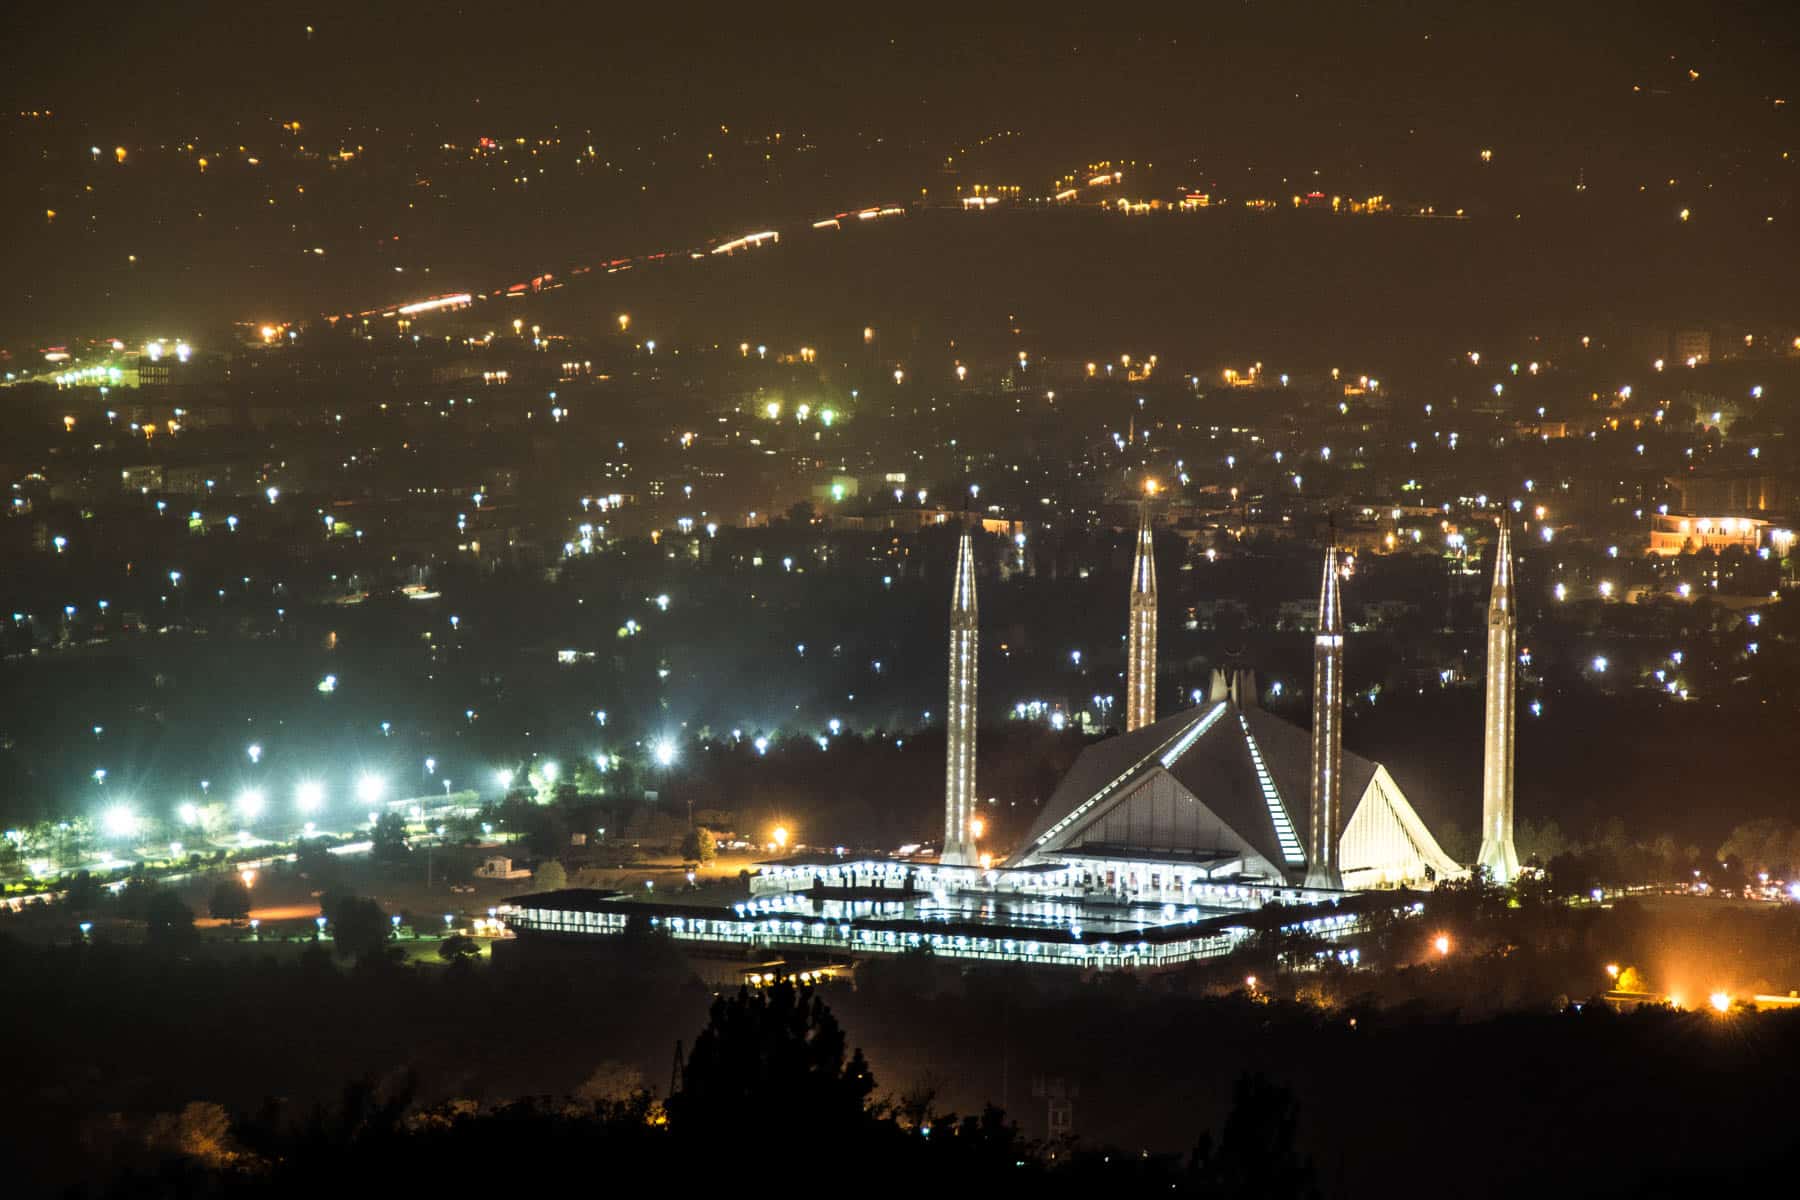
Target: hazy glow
119	821
309	797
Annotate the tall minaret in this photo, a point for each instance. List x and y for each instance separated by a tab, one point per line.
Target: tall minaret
959	765
1497	852
1140	681
1327	733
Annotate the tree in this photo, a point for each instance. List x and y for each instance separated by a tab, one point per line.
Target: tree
83	893
389	839
612	1083
699	845
359	928
551	877
318	864
458	947
135	896
230	900
763	1057
167	921
1256	1155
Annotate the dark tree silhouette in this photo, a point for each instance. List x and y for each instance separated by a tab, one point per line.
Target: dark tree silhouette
457	948
167	921
1255	1155
359	929
230	900
764	1057
389	838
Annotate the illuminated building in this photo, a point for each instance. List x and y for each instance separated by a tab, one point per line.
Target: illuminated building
960	715
1674	534
1497	853
1158	848
1030	917
1140	682
1327	731
1214	794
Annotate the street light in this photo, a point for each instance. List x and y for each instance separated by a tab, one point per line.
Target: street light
309	797
119	821
370	788
781	837
664	752
250	803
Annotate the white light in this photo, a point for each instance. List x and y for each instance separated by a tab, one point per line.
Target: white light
762	745
254	750
664	752
250	803
189	812
504	778
370	788
119	822
1600	665
309	797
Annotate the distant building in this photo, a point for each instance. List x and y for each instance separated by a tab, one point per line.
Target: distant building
1222	792
1735	492
498	866
1672	534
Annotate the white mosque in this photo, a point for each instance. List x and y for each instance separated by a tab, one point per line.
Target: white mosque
1154	850
1229	791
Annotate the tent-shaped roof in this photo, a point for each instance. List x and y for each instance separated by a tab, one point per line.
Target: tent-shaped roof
1249	770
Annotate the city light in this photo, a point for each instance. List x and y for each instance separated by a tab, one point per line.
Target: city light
664	752
254	750
250	803
370	788
119	821
1441	944
309	796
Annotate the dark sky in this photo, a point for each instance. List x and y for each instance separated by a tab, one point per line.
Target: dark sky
1243	96
900	66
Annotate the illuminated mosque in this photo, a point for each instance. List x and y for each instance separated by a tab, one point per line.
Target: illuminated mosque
1155	848
1227	790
